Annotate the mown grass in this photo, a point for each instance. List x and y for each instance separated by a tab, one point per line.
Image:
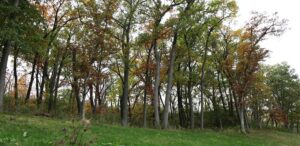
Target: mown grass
40	131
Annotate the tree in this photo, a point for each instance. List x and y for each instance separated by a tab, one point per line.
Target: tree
284	84
57	15
246	55
20	30
126	21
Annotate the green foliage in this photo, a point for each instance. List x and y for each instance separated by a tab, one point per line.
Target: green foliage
285	85
96	45
22	25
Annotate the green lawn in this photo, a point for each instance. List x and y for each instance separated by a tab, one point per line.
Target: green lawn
24	130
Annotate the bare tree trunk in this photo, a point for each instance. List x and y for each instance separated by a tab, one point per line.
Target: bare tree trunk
181	114
124	99
97	95
44	77
57	79
82	110
241	115
3	66
31	78
52	84
37	83
202	83
91	99
190	98
16	78
147	78
216	108
242	120
156	89
169	85
298	125
75	86
220	92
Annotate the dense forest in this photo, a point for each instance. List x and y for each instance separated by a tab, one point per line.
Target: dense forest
146	63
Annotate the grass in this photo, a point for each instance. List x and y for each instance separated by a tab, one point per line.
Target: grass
30	131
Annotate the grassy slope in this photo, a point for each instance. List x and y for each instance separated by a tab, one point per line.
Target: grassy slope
45	131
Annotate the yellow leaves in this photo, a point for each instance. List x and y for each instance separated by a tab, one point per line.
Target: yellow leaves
235	34
165	33
244	49
232	5
86	1
44	10
246	35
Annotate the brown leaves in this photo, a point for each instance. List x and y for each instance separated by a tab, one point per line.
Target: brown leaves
243	61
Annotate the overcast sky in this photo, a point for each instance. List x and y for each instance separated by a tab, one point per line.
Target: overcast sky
286	47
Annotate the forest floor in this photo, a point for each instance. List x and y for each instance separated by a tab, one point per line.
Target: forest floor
41	131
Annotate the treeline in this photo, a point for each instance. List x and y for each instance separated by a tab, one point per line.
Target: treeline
150	60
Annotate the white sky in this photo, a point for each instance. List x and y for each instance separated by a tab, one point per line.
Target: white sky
283	48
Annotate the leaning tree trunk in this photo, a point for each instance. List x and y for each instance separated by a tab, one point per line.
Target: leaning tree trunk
57	79
169	85
44	77
31	78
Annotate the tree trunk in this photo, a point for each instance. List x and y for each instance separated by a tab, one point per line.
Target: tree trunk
147	78
220	91
216	108
169	85
202	82
298	125
75	86
58	76
242	120
156	89
44	76
97	95
124	99
16	78
3	66
31	78
52	84
180	106
241	115
37	83
190	98
92	99
82	110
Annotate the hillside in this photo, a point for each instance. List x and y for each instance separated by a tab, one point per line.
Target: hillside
29	130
